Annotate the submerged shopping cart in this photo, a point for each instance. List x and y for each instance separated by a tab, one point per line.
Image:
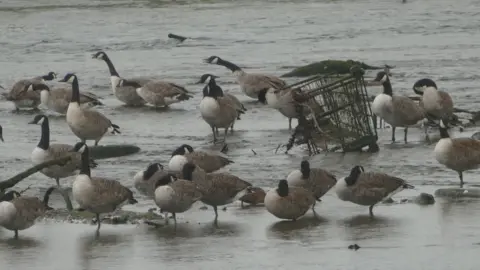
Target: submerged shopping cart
334	113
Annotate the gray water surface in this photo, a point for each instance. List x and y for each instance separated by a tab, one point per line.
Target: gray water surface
438	39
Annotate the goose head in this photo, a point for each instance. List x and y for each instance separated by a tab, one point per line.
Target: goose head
69	77
355	172
382	77
151	170
282	189
182	150
206	78
165	180
50	76
422	84
125	83
100	55
213	60
38	119
305	168
9	196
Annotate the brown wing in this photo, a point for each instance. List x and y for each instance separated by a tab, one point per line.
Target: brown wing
229	183
261	81
446	101
208	162
165	88
109	191
467	151
321	181
29	208
406	109
372	180
301	197
187	190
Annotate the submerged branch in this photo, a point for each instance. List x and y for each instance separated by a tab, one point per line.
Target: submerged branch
19	177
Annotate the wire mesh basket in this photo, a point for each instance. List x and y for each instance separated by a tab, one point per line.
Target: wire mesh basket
339	112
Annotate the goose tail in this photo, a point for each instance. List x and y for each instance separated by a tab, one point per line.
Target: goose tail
96	103
132	200
116	129
408	186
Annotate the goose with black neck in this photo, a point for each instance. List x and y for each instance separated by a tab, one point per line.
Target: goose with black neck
398	111
252	84
45	151
437	104
24	97
216	109
126	94
86	124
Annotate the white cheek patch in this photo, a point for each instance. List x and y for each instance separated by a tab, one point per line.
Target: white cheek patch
209	78
384	78
215	60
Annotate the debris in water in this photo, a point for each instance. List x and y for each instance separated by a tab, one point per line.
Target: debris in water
354	247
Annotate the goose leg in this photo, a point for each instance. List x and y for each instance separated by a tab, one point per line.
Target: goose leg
216	213
460	175
425	129
225	137
370	209
241	204
16	234
99	222
214	135
289	123
393	134
405	136
165	216
96	142
174	220
65	196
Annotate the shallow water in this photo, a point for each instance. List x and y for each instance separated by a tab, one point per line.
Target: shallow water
437	39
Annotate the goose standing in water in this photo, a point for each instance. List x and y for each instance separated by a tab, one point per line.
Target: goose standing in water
287	202
20	212
315	180
217	188
95	194
206	161
127	94
86	124
253	85
158	93
458	154
57	99
22	96
398	111
216	109
437	104
145	180
174	195
45	151
369	188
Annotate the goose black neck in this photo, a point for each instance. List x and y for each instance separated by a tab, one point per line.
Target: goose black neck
351	179
231	66
85	168
212	90
282	189
44	142
444	133
305	172
75	90
387	88
111	67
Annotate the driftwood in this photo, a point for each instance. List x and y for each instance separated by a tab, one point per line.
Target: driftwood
9	183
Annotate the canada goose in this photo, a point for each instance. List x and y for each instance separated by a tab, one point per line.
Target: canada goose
208	162
158	93
315	180
398	111
86	124
174	195
95	194
287	202
253	85
216	109
127	95
145	180
57	99
45	151
369	188
282	100
254	196
22	96
217	188
20	212
437	104
458	154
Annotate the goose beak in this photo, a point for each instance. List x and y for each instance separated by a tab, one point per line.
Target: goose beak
206	60
94	56
32	122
